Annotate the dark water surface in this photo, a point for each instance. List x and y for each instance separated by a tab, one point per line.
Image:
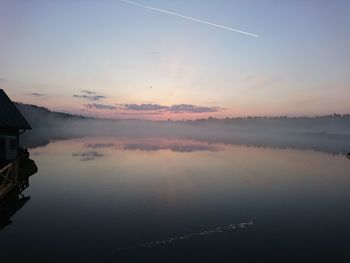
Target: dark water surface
172	200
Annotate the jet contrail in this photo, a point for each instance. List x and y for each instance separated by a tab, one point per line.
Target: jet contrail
188	18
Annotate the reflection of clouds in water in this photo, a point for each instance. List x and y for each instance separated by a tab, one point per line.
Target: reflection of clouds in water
88	156
152	144
172	147
99	145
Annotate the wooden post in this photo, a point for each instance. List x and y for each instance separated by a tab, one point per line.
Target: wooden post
15	171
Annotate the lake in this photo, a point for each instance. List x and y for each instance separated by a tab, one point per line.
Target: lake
118	199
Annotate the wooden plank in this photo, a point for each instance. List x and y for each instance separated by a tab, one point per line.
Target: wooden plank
7	185
5	167
6	171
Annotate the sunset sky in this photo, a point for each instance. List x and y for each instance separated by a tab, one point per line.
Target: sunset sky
116	59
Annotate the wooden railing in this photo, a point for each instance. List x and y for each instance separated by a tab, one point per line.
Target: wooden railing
8	178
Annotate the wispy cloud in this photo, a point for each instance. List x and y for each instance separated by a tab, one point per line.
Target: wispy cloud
137	113
177	108
249	78
99	106
192	108
89	97
188	18
143	107
90	92
37	94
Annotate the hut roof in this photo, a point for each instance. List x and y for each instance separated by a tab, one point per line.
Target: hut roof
10	117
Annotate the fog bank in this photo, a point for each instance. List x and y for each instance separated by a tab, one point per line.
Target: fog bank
326	133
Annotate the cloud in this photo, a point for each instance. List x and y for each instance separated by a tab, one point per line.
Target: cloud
258	80
177	108
250	77
88	92
89	97
143	107
152	52
99	106
2	79
37	94
136	113
192	109
188	18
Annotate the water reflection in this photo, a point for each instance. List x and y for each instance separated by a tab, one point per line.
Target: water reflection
171	147
100	146
97	148
322	142
9	206
88	155
155	194
14	200
154	144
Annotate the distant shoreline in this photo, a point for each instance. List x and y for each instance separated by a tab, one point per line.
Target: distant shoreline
329	133
22	106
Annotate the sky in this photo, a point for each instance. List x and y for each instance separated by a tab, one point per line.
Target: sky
111	58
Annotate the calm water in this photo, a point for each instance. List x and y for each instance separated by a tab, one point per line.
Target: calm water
170	200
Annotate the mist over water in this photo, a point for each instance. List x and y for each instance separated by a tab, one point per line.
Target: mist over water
327	134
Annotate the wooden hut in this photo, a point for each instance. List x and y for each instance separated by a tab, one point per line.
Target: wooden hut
12	125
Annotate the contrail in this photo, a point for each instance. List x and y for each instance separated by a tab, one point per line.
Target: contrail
188	18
